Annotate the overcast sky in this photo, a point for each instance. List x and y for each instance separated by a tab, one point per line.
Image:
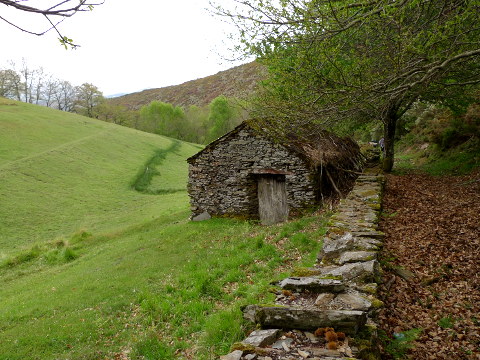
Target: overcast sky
126	46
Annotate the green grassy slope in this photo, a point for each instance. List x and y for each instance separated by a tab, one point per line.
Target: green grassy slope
92	269
60	173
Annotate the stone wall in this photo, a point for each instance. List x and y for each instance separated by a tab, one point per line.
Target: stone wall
222	179
329	311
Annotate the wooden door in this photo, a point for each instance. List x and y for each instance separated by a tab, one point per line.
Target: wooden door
272	199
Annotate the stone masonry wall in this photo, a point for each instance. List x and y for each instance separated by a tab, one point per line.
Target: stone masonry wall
222	179
328	312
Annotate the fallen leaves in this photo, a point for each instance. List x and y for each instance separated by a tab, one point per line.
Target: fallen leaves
435	236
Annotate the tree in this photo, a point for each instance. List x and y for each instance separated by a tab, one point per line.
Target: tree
54	13
162	118
65	96
88	96
221	117
49	91
336	61
10	84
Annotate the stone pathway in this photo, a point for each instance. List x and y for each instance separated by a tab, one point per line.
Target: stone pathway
327	312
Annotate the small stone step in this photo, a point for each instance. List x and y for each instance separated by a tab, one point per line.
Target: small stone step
369	233
260	338
313	284
356	256
359	271
353	300
347	321
334	245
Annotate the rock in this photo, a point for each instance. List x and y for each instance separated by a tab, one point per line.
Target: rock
370	288
367	243
356	256
306	319
333	246
281	344
323	300
312	283
364	271
369	233
403	273
250	356
235	355
324	353
262	338
353	302
203	216
303	354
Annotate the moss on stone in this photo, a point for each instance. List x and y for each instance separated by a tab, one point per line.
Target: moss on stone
376	303
246	348
369	289
305	272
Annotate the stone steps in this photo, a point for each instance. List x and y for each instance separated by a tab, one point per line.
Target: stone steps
305	318
339	292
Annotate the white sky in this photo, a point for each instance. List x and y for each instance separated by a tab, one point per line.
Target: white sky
126	46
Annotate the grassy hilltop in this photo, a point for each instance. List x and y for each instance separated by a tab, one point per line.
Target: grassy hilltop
91	268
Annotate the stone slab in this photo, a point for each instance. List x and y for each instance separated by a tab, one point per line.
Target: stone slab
235	355
312	283
356	256
365	271
260	338
333	246
305	319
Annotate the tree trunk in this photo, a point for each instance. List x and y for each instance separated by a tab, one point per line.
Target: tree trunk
389	126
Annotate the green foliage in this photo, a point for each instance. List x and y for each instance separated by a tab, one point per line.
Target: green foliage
162	118
446	322
221	117
401	343
359	63
196	124
439	141
87	99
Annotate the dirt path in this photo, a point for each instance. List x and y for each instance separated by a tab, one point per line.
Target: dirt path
432	227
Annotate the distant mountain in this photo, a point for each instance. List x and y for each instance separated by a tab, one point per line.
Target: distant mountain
114	95
238	82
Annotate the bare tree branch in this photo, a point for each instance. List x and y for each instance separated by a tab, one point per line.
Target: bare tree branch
62	10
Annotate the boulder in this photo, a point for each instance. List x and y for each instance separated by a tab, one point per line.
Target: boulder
203	216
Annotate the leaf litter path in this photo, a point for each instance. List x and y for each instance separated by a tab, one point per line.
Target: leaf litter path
432	227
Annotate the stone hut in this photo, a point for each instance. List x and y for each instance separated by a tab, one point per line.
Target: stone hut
253	172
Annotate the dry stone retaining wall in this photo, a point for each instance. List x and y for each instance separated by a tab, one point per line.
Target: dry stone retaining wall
339	292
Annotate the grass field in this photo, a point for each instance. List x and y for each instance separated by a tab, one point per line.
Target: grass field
91	268
61	173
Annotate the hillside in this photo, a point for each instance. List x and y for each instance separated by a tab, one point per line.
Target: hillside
237	82
92	269
83	167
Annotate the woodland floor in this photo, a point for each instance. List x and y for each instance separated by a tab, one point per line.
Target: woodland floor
431	259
